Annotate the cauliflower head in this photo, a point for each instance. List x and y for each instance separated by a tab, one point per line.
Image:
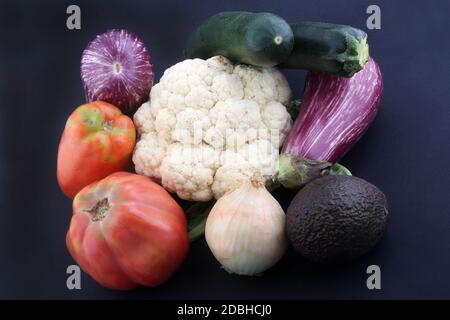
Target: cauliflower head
209	125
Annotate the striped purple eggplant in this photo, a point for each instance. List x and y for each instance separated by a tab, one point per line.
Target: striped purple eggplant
335	113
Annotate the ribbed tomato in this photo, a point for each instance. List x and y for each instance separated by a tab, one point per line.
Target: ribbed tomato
126	230
97	141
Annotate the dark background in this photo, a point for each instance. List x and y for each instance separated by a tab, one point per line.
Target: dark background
405	153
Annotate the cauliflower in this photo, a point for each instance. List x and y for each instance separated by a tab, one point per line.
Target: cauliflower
209	125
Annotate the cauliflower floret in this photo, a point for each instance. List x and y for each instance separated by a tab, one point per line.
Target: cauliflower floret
238	165
148	154
191	125
200	97
278	123
164	123
263	156
263	85
227	86
142	121
221	63
189	170
209	125
237	120
231	175
283	89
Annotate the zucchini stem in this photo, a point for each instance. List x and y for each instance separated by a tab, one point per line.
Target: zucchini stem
356	54
278	40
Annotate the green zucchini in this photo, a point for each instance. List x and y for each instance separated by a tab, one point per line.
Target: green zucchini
338	49
260	39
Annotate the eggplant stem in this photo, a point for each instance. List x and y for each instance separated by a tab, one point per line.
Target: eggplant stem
294	171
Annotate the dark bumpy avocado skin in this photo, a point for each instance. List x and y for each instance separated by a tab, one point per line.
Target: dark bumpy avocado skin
335	219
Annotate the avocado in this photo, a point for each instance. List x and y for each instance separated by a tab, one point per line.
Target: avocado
335	219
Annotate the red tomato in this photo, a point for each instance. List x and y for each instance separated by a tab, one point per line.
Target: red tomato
97	141
126	230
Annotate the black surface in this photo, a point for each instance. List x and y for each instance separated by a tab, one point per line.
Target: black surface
405	153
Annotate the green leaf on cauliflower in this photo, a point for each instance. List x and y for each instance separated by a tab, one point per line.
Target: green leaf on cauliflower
293	108
197	215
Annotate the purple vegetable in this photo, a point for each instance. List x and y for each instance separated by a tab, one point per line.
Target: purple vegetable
335	113
116	68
